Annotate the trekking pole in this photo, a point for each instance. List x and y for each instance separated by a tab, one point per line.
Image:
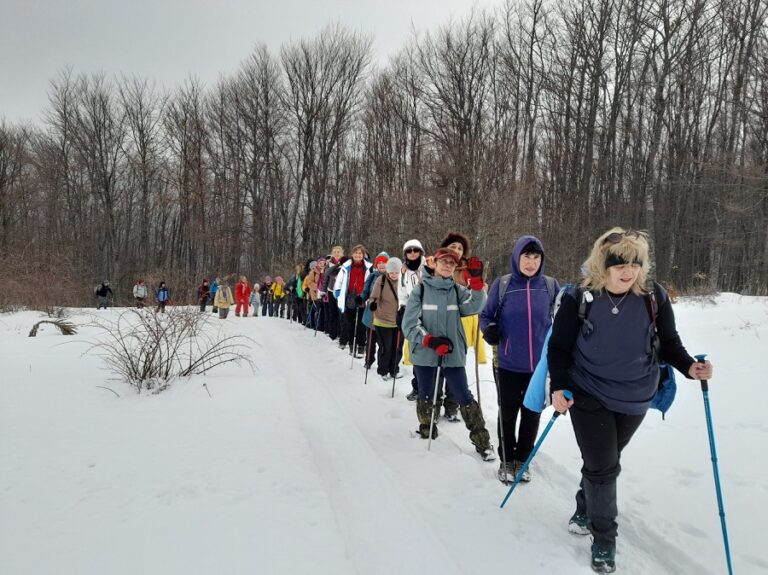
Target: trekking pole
434	401
354	339
368	353
318	315
568	395
394	361
477	360
713	452
501	418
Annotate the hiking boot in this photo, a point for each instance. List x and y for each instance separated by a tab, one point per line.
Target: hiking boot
526	474
361	350
478	434
506	472
488	454
413	396
386	377
603	560
578	524
397	375
342	345
453	417
424	431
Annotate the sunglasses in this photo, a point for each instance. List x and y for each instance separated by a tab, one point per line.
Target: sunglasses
616	237
413	250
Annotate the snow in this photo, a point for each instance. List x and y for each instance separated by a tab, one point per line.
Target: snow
297	467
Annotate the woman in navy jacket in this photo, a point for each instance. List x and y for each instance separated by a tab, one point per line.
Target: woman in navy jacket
517	322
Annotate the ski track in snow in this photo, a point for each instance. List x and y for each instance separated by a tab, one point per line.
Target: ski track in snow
297	467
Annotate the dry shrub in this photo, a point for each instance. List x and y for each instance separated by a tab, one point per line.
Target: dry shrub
38	283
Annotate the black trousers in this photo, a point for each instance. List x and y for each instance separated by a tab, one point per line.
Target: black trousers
602	435
331	317
518	444
390	352
351	328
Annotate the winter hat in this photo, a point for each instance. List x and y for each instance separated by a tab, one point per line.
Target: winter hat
279	279
532	248
456	237
268	279
312	265
321	259
413	244
394	265
447	253
383	257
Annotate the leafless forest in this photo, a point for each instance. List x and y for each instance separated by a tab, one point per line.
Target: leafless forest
557	118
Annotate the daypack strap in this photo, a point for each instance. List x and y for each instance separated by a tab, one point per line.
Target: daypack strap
504	284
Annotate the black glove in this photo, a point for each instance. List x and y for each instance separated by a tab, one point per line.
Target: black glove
359	300
373	305
492	334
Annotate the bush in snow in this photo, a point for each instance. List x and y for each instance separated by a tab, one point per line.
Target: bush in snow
148	349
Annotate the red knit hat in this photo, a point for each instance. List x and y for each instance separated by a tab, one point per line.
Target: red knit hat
380	259
447	253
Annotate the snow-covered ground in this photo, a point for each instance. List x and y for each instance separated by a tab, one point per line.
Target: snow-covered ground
297	467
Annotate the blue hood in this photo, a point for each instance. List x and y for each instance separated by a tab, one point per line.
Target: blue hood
517	251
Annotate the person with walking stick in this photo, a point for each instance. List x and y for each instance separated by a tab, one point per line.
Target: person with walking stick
384	304
516	319
608	338
348	291
432	325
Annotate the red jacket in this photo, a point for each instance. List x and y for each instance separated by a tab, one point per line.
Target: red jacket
242	292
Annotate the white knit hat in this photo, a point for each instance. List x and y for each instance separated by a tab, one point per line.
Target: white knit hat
394	265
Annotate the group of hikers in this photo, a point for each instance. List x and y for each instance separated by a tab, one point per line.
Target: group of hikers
607	337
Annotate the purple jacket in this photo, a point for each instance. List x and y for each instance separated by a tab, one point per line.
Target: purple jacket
524	318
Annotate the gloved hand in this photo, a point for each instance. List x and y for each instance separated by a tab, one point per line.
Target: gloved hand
359	300
441	345
492	334
373	305
475	269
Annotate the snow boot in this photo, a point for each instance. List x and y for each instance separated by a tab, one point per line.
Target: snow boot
478	434
526	474
506	472
603	560
578	524
413	396
424	414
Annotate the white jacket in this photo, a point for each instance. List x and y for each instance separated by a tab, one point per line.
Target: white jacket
409	279
140	290
342	282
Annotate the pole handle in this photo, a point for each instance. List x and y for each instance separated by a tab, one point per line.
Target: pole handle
701	358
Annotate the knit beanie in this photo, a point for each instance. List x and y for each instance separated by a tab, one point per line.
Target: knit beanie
413	244
383	257
394	265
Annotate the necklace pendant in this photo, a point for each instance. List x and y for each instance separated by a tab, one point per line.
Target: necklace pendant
615	311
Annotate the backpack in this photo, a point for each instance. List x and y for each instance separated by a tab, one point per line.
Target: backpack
667	386
504	282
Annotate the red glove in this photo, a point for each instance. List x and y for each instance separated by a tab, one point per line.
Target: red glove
475	269
441	345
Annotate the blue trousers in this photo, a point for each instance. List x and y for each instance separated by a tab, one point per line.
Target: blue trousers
455	381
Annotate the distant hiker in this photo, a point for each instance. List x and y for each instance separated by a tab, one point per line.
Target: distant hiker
265	292
139	292
379	269
224	299
242	297
384	306
348	291
608	357
214	289
432	325
278	296
312	284
332	309
162	296
203	294
103	293
517	322
413	258
255	299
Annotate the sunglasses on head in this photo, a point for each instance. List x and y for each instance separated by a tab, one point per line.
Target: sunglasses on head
413	250
616	237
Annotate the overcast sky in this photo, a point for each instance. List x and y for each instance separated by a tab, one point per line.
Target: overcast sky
166	40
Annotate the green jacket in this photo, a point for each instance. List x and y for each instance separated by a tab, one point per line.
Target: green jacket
435	307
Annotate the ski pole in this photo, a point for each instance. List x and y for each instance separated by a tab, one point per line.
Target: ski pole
318	315
434	401
568	395
501	418
721	509
477	360
368	353
354	338
395	362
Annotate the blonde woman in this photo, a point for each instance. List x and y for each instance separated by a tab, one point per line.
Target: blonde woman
224	299
606	351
